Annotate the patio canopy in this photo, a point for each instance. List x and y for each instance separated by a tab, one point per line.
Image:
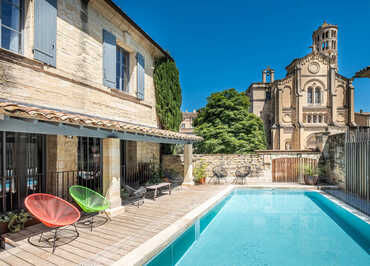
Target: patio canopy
17	117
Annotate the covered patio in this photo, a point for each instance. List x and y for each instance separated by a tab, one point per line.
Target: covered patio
100	145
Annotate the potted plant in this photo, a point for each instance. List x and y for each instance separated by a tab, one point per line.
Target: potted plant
15	222
311	174
200	172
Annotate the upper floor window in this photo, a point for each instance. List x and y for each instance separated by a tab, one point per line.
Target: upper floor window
182	125
11	19
317	95
122	69
314	96
309	95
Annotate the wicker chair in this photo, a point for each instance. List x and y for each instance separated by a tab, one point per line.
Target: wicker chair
241	174
219	173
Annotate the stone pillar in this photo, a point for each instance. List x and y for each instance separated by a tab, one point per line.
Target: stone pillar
272	75
351	104
264	76
111	175
299	109
61	154
188	164
332	94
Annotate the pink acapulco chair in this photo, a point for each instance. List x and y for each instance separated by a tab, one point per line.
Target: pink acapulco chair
52	211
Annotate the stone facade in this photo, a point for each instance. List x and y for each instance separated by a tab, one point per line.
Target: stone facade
362	119
77	79
333	159
186	125
311	101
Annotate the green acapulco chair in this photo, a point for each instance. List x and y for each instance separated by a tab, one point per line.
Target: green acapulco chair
89	200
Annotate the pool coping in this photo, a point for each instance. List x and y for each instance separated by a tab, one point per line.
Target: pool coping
146	251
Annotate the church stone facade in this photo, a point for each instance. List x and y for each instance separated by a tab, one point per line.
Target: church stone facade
312	101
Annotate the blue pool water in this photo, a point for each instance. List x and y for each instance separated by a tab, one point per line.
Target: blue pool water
272	227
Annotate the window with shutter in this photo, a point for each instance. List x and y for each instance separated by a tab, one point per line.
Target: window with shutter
10	25
122	69
45	31
140	76
109	59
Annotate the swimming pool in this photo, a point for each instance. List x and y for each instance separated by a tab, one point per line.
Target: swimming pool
272	227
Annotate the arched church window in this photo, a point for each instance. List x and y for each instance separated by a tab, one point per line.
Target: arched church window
327	34
314	119
320	118
317	95
309	95
323	35
308	119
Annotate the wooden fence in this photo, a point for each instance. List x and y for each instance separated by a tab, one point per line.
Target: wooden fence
357	160
290	169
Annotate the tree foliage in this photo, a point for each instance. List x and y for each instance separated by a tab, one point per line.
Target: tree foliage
168	94
227	126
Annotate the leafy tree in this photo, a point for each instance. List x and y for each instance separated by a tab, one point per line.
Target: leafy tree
168	97
227	126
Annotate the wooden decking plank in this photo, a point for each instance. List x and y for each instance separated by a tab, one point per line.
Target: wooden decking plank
108	242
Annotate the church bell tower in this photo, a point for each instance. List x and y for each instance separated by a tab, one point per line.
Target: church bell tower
325	41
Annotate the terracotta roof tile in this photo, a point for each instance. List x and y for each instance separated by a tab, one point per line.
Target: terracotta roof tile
19	110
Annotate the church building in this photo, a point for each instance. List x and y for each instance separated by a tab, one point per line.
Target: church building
312	101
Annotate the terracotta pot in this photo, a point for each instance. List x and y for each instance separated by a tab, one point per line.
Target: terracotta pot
3	228
201	181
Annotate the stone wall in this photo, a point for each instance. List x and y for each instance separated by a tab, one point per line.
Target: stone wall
174	164
333	159
260	163
148	152
61	154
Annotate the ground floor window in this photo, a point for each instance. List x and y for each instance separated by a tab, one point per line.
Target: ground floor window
22	164
90	163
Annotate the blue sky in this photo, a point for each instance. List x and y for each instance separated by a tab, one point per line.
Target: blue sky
225	44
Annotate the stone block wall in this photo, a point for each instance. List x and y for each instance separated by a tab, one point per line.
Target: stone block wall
174	164
61	154
333	159
148	152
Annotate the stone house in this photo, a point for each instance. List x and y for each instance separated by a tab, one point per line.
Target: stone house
77	99
312	101
186	125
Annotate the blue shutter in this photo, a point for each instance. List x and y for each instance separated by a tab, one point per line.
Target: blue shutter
109	59
140	76
45	31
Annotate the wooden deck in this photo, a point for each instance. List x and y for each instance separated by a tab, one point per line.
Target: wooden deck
109	241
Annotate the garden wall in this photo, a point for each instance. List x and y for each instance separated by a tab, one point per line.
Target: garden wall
174	164
260	163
